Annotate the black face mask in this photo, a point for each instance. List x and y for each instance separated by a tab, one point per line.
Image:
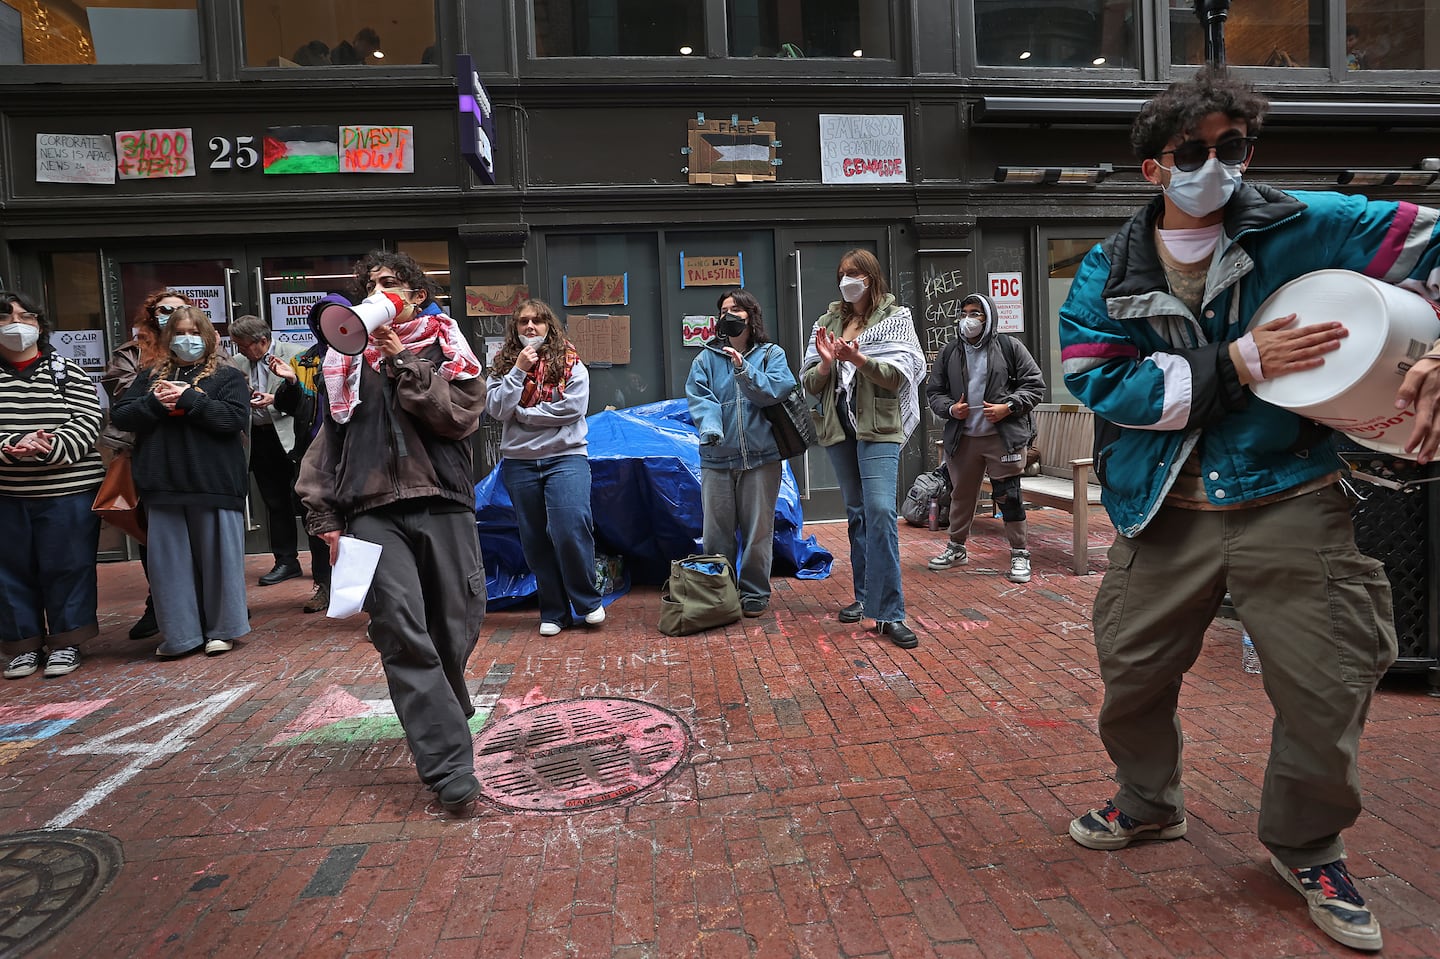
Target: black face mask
732	325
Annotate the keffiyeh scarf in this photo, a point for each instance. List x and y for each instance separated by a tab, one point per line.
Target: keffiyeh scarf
342	373
536	390
892	340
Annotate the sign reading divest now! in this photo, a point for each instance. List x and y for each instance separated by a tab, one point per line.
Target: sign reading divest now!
153	154
862	148
377	149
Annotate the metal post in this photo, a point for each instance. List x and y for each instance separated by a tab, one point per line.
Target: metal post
1212	14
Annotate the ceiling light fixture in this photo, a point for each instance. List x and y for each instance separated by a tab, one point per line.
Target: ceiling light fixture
1064	175
685	51
858	53
1098	62
1025	55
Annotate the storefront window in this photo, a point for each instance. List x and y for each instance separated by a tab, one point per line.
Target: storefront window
326	33
1056	33
1063	258
1277	33
809	28
619	28
1385	35
86	32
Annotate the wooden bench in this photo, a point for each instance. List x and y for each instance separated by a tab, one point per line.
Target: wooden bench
1065	438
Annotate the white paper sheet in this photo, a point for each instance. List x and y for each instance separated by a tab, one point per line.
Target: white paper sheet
351	576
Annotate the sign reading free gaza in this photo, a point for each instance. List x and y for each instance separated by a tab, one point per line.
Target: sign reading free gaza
862	148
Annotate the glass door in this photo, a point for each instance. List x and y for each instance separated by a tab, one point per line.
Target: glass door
813	257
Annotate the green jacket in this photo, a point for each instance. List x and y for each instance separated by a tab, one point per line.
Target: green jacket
876	386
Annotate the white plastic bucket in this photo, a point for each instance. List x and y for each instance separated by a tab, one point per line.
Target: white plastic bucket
1354	390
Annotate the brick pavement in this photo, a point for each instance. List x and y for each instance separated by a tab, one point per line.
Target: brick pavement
843	797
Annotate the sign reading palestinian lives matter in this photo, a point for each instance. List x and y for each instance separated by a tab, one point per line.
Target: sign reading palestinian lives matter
85	347
377	149
74	158
211	299
862	148
152	154
1009	296
288	311
712	271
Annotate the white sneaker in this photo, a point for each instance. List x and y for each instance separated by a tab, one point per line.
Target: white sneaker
62	661
549	629
214	647
595	617
23	665
1019	566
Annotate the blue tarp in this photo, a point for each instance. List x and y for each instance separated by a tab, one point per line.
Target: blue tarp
645	498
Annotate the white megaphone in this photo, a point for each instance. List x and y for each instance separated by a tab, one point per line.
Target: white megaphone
346	329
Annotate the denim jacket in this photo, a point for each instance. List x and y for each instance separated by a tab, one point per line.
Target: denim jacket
726	405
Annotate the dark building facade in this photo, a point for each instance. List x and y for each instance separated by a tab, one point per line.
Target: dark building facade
256	148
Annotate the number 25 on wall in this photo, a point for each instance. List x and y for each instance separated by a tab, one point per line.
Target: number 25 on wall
238	153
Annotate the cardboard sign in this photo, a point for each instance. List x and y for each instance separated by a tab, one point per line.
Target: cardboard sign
288	311
153	154
697	330
600	338
85	347
74	158
723	153
377	149
612	289
495	300
1009	295
712	271
862	148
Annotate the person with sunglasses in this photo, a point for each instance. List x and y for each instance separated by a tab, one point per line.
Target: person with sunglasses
149	320
1211	488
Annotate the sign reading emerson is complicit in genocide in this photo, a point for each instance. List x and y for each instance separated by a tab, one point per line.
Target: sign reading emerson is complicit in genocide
862	148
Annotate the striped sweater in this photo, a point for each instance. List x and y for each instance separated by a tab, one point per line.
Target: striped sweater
55	395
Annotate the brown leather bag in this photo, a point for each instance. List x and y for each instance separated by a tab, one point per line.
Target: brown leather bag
116	502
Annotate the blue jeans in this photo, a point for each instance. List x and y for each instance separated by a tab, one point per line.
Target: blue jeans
47	572
868	474
551	497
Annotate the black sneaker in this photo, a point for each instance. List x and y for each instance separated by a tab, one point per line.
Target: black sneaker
1109	828
145	626
1336	906
754	607
280	572
900	634
459	792
852	613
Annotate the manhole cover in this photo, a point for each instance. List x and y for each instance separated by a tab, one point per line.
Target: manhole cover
578	754
48	878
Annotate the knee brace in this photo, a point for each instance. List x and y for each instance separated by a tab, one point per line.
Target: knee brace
1007	497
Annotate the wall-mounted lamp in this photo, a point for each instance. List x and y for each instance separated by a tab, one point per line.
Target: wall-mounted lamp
1054	174
1387	177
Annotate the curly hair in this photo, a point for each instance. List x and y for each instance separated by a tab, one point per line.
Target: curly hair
162	361
876	287
746	301
552	351
403	265
147	327
1185	103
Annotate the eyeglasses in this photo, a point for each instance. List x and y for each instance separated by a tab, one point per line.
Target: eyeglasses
27	317
1192	154
972	316
166	310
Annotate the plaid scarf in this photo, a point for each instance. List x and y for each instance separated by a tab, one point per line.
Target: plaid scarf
342	373
536	390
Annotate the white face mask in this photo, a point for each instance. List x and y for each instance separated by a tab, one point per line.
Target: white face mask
971	328
1201	192
187	347
852	288
18	337
534	341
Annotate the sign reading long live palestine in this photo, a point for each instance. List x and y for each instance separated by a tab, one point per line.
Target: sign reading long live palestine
302	149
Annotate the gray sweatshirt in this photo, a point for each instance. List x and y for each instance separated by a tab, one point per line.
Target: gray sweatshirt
556	428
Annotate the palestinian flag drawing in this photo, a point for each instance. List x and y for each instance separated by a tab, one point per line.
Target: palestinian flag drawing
307	149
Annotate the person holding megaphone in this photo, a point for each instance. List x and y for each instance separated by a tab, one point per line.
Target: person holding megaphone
391	465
